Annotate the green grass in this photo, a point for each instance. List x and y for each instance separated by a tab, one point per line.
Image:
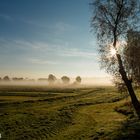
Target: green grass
42	113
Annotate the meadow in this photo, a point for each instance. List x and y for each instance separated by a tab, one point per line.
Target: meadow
80	113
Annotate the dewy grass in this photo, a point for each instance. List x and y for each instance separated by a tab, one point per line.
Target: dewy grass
83	113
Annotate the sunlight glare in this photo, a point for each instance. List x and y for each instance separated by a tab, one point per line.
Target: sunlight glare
112	51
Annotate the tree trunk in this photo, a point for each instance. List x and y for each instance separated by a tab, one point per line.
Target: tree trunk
134	99
128	84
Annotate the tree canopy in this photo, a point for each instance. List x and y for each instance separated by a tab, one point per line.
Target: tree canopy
112	20
132	55
65	79
78	79
6	78
51	79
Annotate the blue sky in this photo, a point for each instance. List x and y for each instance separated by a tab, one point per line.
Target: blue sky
39	37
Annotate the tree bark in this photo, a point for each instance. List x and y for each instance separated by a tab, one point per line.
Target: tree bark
128	83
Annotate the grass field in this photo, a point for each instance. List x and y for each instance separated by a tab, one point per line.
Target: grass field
41	113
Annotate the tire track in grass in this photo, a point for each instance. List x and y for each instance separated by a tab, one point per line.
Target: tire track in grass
55	98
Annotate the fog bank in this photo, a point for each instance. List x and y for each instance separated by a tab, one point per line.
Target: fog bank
93	81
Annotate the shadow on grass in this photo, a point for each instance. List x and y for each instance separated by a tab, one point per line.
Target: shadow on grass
131	127
129	131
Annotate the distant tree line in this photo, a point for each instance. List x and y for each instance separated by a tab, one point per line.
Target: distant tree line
7	79
65	79
51	79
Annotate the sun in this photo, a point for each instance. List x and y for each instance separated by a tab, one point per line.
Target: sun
112	51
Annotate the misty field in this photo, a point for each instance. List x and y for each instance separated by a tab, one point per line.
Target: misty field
88	113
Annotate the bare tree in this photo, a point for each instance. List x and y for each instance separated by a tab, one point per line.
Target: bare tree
112	19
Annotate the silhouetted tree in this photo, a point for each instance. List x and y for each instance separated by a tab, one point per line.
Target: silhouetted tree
78	79
17	79
112	19
6	78
42	79
132	55
51	79
65	79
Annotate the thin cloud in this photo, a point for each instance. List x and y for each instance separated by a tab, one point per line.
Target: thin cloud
63	27
57	49
56	28
41	61
44	48
6	17
78	53
34	23
31	44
